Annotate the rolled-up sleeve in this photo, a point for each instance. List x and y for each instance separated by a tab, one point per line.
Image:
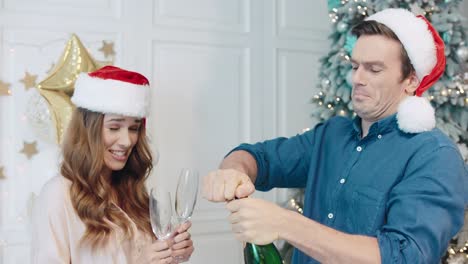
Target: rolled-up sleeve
425	209
282	162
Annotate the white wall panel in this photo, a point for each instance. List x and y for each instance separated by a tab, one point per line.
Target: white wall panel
214	15
297	77
218	248
82	8
303	19
194	86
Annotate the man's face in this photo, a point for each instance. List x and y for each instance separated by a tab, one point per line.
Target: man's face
377	84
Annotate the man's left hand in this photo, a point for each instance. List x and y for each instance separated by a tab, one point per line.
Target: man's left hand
256	221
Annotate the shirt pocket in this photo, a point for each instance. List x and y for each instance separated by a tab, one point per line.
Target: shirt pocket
367	207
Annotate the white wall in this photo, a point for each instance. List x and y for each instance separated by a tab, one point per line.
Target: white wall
223	72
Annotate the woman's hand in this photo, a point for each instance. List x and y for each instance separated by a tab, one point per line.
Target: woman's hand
182	248
159	252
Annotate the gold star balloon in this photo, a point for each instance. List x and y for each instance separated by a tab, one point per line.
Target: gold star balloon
52	67
2	175
58	86
29	80
107	48
4	89
29	149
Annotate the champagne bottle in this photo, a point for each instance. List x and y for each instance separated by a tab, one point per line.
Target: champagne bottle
261	254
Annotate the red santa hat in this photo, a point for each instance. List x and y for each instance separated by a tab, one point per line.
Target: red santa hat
113	90
425	49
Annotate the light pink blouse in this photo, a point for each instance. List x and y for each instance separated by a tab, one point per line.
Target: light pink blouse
57	231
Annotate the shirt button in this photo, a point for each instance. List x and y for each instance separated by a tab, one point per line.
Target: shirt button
330	215
342	181
379	136
359	148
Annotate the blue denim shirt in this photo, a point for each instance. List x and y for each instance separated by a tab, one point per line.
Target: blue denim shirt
404	189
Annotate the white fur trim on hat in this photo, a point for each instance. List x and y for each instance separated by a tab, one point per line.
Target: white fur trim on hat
111	96
415	36
415	115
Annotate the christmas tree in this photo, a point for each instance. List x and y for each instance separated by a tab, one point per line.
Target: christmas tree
448	95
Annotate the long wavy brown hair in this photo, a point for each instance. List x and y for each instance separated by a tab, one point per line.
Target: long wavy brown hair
90	192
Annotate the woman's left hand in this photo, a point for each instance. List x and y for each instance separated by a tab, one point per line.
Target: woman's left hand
182	248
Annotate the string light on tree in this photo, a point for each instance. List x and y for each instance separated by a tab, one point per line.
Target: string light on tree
458	254
293	204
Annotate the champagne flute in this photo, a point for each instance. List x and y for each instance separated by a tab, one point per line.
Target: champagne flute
186	194
160	207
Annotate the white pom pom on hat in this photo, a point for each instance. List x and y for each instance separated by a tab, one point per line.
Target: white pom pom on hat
415	115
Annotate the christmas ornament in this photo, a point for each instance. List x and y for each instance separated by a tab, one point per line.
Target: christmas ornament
29	149
4	88
107	49
29	80
58	86
2	175
325	83
39	117
462	53
342	27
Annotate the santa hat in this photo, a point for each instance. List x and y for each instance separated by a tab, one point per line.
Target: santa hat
425	49
113	90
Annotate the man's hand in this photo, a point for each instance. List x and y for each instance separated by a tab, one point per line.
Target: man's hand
225	185
256	221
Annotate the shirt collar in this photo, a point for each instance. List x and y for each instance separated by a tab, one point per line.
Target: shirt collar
382	126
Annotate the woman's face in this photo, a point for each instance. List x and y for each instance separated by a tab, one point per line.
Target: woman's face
120	134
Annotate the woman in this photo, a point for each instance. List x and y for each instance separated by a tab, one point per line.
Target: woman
97	211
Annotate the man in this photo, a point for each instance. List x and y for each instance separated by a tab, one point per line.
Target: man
385	187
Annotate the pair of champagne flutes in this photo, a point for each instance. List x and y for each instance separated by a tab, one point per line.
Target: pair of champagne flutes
163	221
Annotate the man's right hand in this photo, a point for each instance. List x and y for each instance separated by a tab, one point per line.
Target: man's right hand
225	185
